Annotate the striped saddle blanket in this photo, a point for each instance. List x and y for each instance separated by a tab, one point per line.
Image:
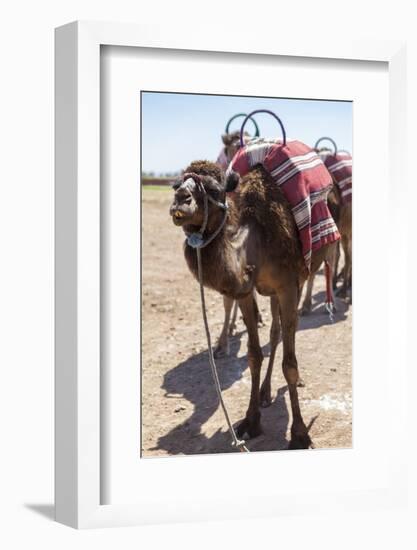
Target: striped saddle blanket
340	167
305	182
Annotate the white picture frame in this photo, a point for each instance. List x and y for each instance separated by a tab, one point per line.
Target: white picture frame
78	449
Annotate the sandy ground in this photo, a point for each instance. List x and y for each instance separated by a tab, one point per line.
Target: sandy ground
180	413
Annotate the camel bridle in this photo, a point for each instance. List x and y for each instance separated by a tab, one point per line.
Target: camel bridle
196	241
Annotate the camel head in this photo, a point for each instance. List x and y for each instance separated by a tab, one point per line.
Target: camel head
199	178
232	143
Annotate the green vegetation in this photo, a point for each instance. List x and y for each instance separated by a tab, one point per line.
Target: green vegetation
156	187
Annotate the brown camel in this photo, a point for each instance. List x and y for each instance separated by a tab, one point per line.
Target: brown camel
342	215
253	246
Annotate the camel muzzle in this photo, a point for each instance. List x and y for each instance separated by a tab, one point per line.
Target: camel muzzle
178	217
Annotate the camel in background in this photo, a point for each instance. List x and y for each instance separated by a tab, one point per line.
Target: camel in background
339	164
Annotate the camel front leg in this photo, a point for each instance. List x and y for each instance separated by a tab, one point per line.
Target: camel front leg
288	297
274	337
222	348
251	424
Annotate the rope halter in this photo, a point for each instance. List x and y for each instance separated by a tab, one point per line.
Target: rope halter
196	240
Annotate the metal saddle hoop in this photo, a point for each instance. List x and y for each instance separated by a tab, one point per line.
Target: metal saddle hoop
250	115
239	115
325	138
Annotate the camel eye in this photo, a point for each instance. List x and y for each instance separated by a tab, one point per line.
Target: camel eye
188	200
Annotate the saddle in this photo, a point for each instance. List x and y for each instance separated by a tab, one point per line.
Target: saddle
305	182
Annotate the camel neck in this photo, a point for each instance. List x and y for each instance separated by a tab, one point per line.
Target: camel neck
212	232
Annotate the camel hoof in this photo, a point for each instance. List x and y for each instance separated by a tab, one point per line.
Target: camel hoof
305	310
265	397
232	330
326	312
341	293
250	427
261	322
300	441
221	351
301	383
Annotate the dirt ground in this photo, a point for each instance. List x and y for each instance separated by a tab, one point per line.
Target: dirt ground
180	413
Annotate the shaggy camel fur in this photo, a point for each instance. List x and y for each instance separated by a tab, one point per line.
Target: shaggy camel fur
258	247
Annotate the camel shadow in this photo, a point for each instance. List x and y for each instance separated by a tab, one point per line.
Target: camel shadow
192	380
319	317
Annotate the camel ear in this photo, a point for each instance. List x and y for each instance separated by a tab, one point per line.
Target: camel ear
232	181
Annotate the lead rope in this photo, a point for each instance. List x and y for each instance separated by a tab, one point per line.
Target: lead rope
235	441
196	240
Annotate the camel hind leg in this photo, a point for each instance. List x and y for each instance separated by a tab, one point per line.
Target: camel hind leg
332	257
288	297
306	308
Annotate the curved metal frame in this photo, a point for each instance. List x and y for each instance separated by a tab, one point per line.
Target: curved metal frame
257	133
328	139
284	135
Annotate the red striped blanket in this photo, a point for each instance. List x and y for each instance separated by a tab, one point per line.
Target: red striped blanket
305	182
340	167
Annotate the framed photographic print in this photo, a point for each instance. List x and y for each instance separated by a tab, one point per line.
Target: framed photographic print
211	249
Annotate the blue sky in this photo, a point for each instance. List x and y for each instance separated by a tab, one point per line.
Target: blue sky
179	128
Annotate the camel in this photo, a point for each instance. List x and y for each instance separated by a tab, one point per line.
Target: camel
231	143
341	211
253	245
